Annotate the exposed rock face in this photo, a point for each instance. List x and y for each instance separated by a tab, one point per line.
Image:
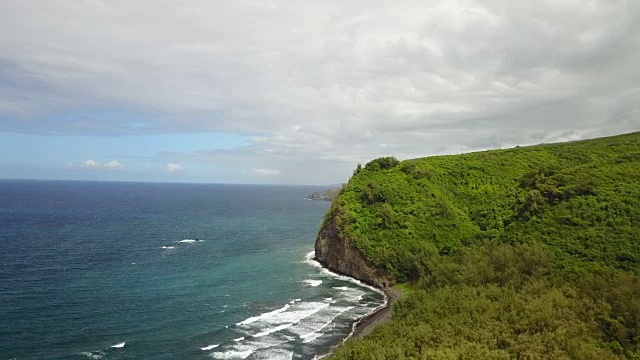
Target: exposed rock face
340	255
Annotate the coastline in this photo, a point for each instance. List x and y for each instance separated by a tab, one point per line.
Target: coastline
366	324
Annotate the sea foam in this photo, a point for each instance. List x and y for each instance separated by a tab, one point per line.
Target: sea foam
272	330
189	241
93	354
312	282
281	316
248	348
307	321
311	337
209	347
264	315
274	354
311	326
232	354
310	259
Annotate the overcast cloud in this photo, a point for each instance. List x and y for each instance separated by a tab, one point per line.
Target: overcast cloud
317	86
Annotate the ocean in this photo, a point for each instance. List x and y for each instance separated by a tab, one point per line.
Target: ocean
108	270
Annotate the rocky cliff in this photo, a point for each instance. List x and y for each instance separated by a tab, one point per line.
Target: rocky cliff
338	254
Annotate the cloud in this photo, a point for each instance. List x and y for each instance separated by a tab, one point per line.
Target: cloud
323	82
113	165
174	167
90	164
266	172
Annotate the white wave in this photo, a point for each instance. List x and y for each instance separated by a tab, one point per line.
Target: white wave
362	316
297	313
93	354
311	336
119	345
209	347
272	330
327	272
310	259
189	241
238	339
274	354
263	316
246	349
168	247
351	294
343	310
232	354
312	282
309	328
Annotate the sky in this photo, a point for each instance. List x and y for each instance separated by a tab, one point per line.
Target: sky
298	91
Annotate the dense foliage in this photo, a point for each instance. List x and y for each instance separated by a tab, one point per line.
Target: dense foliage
525	253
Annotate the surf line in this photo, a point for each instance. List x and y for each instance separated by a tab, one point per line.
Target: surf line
310	259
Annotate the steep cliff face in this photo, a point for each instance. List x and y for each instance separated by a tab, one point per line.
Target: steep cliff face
340	255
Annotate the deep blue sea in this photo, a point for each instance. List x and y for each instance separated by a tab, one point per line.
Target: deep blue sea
99	270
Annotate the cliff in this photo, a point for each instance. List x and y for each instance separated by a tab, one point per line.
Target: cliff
339	254
579	199
530	252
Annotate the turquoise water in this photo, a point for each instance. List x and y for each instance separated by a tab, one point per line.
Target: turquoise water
167	271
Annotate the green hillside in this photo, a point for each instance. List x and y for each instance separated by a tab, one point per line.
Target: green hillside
525	253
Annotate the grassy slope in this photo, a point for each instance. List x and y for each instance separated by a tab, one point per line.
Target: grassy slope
529	252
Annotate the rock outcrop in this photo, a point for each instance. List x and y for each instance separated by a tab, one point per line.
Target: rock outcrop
328	195
341	256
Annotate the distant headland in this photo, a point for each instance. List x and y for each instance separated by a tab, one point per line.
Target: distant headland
328	195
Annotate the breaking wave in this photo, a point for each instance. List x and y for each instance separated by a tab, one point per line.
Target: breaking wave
312	282
276	334
272	330
310	259
189	241
209	347
98	354
264	315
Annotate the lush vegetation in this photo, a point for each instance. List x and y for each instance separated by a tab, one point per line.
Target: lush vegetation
525	253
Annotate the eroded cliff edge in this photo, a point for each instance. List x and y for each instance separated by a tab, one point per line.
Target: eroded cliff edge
340	255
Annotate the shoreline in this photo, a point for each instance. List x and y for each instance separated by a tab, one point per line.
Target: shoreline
365	325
